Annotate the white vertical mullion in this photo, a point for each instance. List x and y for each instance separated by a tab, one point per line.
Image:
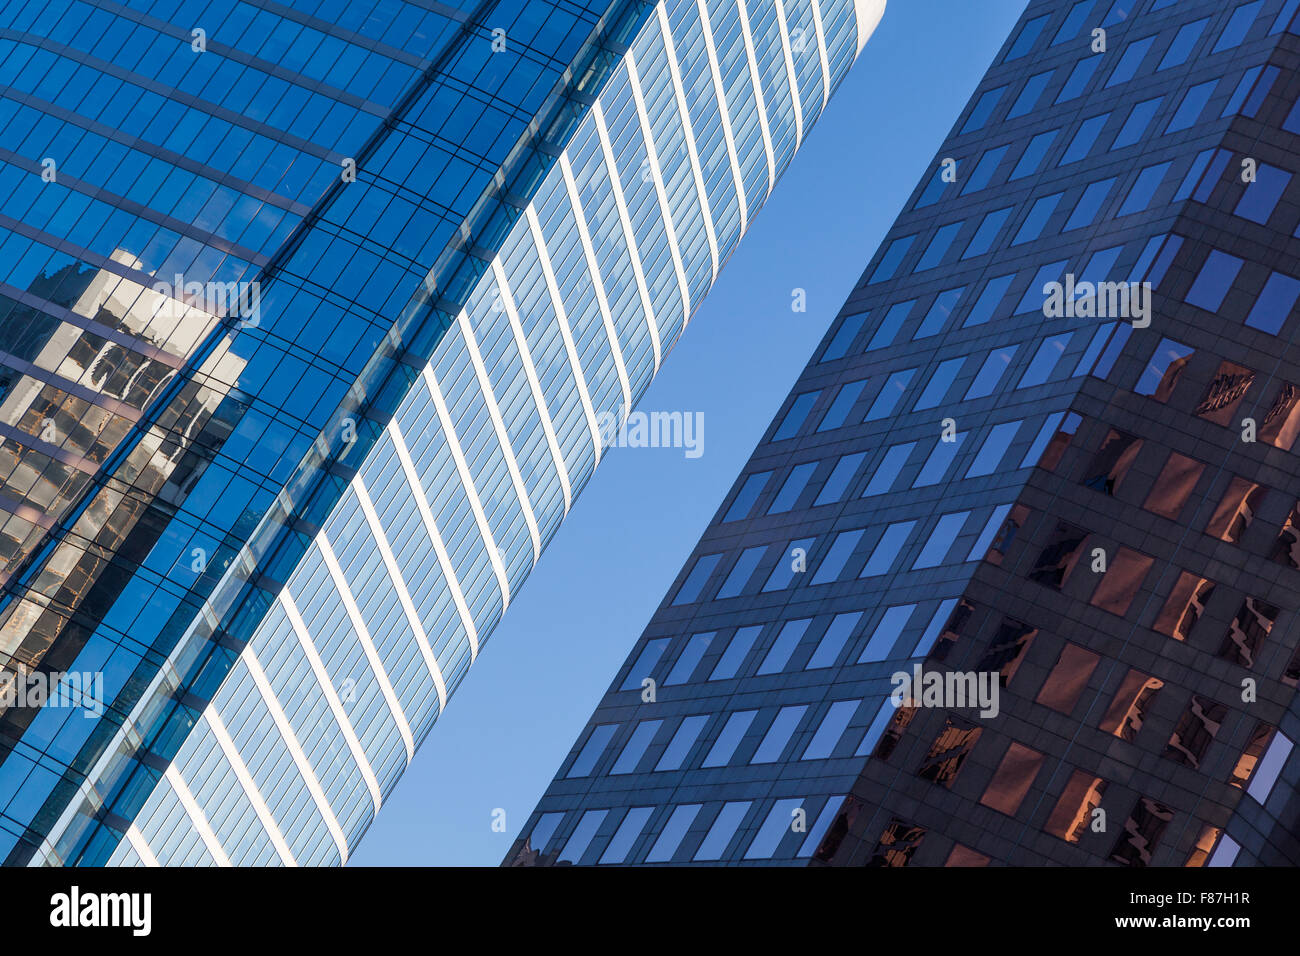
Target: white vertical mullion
758	94
141	846
597	282
197	817
661	192
435	536
783	29
688	130
503	435
399	586
607	151
248	784
821	52
367	645
720	94
331	696
467	483
290	740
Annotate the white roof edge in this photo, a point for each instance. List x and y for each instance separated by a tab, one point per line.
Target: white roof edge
869	13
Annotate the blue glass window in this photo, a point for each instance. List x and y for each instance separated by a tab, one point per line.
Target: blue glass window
1079	77
838	412
730	737
990	373
695	581
746	497
833	641
887	548
1029	95
984	107
1143	190
1139	118
619	845
777	737
938	246
742	642
889	396
984	169
689	658
673	832
1183	44
724	827
890	325
886	634
1192	106
994	448
1082	141
837	556
1238	25
993	293
1129	61
1073	21
1033	155
1259	198
1164	369
1045	360
831	730
794	418
987	232
937	387
840	477
940	460
787	640
646	661
592	750
940	542
1037	219
683	740
936	317
784	571
933	189
886	472
1027	38
1274	304
892	259
1215	278
636	747
848	331
1089	204
741	571
792	488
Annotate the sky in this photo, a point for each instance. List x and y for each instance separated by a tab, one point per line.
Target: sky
539	677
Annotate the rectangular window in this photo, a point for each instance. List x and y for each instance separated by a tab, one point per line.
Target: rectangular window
1130	60
1183	44
1195	731
1029	34
837	483
939	462
938	246
984	170
774	828
1214	280
886	634
645	663
737	650
636	747
831	730
689	658
1073	22
941	540
995	446
1130	705
890	394
794	418
1072	815
778	735
1084	139
1274	304
948	752
1141	833
786	641
745	498
1037	219
838	412
887	549
674	830
1067	679
683	740
1012	780
886	473
592	750
983	109
1161	374
837	556
891	260
991	372
936	317
783	572
848	331
1045	360
938	384
1173	486
582	834
723	829
1143	191
741	572
987	232
1184	606
1247	632
889	325
1192	106
620	844
792	488
695	581
729	739
1261	784
994	291
1123	578
1032	157
833	641
1079	77
1238	25
1260	197
1030	94
1089	204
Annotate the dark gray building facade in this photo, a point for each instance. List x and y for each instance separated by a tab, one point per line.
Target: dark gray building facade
1046	453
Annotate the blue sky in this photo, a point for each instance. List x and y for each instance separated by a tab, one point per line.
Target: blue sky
539	677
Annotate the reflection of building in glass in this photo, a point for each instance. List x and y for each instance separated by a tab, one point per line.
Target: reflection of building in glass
477	229
1098	508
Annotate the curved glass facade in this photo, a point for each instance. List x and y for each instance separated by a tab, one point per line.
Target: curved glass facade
385	510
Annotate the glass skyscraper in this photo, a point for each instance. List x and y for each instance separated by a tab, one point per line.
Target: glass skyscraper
311	315
1043	464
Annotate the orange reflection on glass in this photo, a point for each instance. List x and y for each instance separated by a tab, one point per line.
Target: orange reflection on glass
1174	485
1073	811
1124	716
1120	584
1236	511
1184	606
1068	678
1225	393
1012	779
